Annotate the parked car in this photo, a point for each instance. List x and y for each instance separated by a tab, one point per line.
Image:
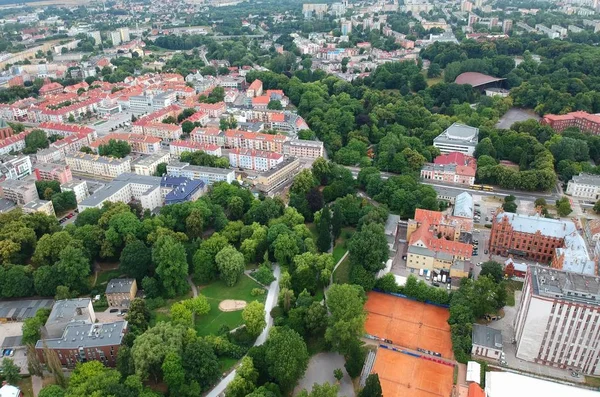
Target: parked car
479	264
113	310
485	252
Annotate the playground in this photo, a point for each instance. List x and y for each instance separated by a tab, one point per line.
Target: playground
407	323
403	375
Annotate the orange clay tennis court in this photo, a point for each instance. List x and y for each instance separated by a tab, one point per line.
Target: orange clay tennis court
409	323
402	375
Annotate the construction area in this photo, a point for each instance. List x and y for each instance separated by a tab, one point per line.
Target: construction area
407	323
414	358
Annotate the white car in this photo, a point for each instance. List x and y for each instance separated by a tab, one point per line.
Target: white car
479	263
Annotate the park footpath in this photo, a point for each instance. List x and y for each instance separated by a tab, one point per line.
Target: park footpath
270	303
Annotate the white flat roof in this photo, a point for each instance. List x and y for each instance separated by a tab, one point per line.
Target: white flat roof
506	384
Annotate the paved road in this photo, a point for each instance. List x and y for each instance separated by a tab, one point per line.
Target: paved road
270	303
320	370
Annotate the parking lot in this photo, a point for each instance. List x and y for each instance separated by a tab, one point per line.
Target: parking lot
7	341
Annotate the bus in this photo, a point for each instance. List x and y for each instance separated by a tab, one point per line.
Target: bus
485	188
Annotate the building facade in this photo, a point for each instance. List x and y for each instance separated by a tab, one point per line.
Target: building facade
582	120
585	186
209	175
78	187
284	171
53	172
257	160
558	320
19	192
303	148
178	147
120	291
98	165
457	138
487	342
148	165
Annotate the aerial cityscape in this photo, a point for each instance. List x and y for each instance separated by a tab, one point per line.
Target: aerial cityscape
260	198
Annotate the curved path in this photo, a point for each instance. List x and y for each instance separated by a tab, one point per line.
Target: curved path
270	303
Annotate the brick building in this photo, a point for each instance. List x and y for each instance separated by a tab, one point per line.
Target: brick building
582	120
53	172
454	167
5	130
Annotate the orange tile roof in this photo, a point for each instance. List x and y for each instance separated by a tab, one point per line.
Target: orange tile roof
256	84
475	391
261	100
432	217
277	117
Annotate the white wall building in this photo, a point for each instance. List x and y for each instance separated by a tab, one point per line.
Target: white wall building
98	165
209	175
585	186
558	320
487	342
258	160
458	138
78	187
147	165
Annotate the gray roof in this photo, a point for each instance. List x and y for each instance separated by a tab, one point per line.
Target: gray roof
150	159
70	310
486	336
6	205
415	249
179	165
569	286
587	179
119	285
119	183
459	133
533	223
463	206
35	204
391	224
98	159
287	161
88	335
22	309
303	142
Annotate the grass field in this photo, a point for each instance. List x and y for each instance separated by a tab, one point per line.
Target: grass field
511	287
105	276
25	386
218	291
592	381
342	273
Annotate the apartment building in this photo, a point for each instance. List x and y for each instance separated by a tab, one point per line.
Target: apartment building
454	167
255	89
254	140
125	188
49	155
147	165
303	148
83	342
208	135
182	189
71	143
139	143
214	110
37	205
257	160
155	117
147	102
544	240
78	187
585	186
62	129
53	172
120	292
14	143
19	192
584	121
178	147
558	320
458	138
286	170
15	167
209	175
98	165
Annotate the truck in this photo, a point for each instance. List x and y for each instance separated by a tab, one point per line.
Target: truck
420	272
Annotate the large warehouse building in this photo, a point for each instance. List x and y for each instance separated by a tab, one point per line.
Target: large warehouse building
557	321
506	384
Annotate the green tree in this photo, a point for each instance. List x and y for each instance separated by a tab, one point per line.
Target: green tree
274	105
510	204
563	206
324	230
150	348
138	316
346	322
231	266
372	387
136	260
73	268
254	317
161	169
114	148
338	374
34	141
52	391
173	372
171	265
10	371
597	207
92	378
323	390
245	379
287	356
492	269
200	363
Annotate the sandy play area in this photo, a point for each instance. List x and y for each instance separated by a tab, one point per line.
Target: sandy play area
230	305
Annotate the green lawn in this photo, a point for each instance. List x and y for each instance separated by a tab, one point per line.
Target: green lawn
25	386
227	363
342	273
100	122
106	276
511	287
592	381
218	291
340	248
313	230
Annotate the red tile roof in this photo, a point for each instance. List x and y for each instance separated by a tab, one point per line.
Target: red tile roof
72	128
207	147
256	153
12	139
125	137
475	391
256	84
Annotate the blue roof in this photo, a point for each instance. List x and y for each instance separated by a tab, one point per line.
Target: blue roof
172	181
184	190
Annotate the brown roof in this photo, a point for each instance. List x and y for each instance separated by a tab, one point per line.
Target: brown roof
475	79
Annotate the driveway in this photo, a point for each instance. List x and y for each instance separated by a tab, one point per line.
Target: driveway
270	303
320	370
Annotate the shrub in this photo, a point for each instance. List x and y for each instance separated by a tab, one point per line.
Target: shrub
257	291
264	275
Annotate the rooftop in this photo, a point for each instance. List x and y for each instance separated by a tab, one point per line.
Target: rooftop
302	142
586	179
460	132
287	161
88	335
151	159
184	189
36	204
565	285
486	336
68	310
119	285
463	205
476	79
178	165
21	309
97	158
507	384
117	184
533	223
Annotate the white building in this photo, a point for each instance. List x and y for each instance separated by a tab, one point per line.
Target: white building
257	160
15	167
558	320
458	138
126	188
98	165
209	175
585	186
507	384
148	164
78	187
115	37
303	148
487	342
37	205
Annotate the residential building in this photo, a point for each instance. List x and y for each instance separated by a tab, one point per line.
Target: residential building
487	342
83	342
19	192
147	102
557	321
13	144
98	165
15	167
255	89
53	172
124	34
51	89
209	175
584	121
182	189
178	147
5	130
68	311
214	110
125	188
78	187
120	291
71	143
115	37
457	138
139	143
542	240
37	205
49	155
62	129
208	135
257	160
547	31
508	384
254	140
585	186
507	25
451	228
148	164
303	148
453	167
285	171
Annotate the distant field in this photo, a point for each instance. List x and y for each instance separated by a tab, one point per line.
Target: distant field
4	3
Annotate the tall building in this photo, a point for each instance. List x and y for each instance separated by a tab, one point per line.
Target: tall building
458	138
20	192
124	33
558	320
115	37
507	25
